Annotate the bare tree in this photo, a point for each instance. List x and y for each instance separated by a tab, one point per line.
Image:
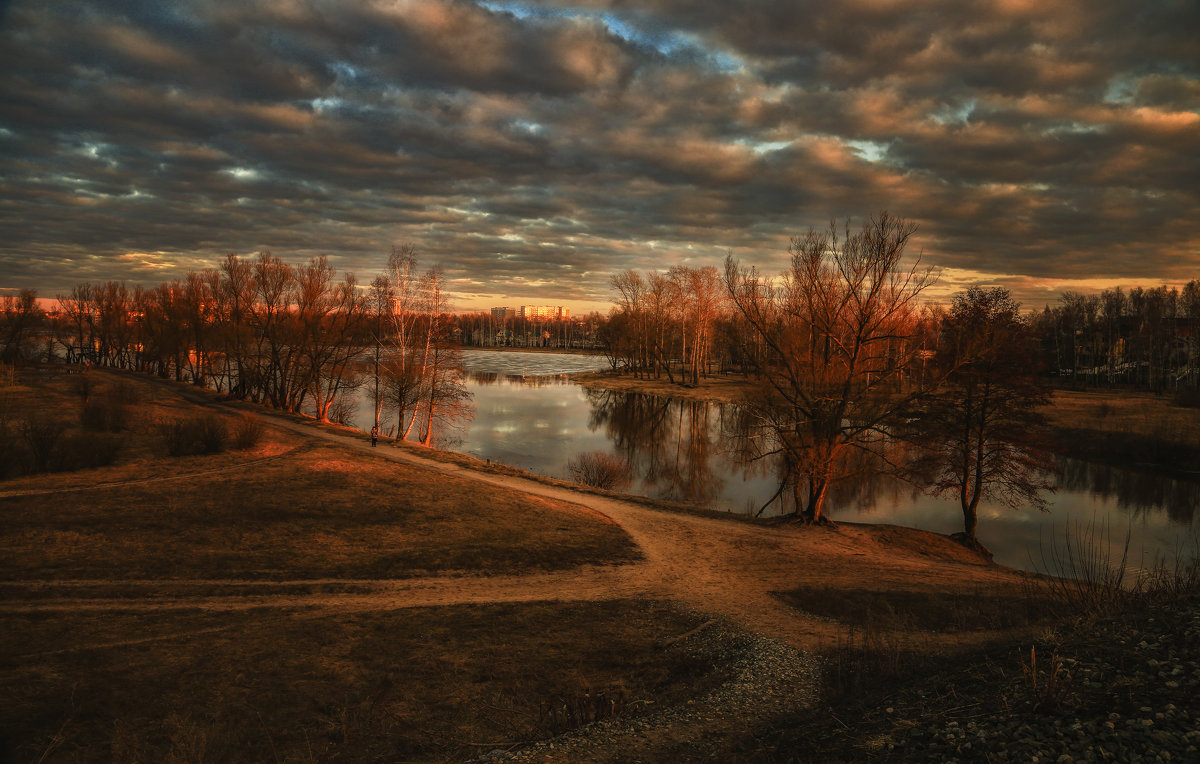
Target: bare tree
75	308
20	316
379	323
981	433
446	398
403	373
330	318
234	301
835	335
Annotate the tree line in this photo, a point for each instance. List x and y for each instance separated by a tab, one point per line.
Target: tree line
1148	338
293	337
846	357
850	365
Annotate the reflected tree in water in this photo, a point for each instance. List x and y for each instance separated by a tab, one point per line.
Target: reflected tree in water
1137	493
668	443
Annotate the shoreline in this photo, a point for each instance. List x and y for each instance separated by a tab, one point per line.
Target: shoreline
548	351
1140	432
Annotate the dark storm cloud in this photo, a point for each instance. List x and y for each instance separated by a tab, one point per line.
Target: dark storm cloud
535	148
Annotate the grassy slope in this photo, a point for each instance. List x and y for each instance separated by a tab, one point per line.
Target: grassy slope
312	511
280	685
287	684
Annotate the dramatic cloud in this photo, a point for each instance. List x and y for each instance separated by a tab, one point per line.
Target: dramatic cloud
533	149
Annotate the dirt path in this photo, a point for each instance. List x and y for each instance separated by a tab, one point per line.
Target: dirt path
719	567
712	565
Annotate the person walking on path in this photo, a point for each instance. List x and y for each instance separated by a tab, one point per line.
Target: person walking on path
374	435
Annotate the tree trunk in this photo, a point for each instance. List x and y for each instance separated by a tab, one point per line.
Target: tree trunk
970	519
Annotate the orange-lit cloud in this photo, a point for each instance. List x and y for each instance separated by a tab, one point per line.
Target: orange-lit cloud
534	148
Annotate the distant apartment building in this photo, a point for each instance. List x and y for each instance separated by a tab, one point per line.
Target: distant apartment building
533	313
543	312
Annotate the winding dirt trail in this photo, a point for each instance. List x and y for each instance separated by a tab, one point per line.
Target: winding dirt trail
713	565
724	568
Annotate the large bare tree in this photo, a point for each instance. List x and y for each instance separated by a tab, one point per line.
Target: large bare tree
981	433
835	350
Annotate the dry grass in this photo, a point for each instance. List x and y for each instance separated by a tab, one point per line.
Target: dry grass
924	610
721	388
412	685
1127	429
281	510
1141	414
280	683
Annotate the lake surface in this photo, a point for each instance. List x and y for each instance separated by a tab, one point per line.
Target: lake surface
528	415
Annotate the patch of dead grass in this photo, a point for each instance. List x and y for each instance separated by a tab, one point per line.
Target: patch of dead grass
312	511
425	685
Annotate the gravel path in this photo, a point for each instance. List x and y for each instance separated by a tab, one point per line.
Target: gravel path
767	677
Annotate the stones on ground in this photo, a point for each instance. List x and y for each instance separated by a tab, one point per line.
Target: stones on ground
1132	695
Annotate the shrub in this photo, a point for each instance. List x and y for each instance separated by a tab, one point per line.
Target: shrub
247	432
341	411
212	434
85	450
1188	399
196	435
600	470
81	385
125	393
104	414
41	435
14	456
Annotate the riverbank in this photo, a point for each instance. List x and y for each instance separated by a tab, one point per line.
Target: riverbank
502	348
717	389
1130	430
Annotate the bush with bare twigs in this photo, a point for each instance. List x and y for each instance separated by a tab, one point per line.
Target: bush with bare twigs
247	432
42	434
108	412
1088	573
600	470
85	450
196	435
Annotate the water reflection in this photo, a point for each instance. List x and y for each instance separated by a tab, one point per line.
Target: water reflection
1134	492
521	364
713	455
540	380
669	443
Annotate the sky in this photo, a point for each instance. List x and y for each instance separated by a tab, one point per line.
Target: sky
533	149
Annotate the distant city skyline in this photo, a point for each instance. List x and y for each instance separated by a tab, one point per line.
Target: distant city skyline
533	149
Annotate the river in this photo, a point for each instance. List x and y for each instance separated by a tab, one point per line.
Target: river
529	415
